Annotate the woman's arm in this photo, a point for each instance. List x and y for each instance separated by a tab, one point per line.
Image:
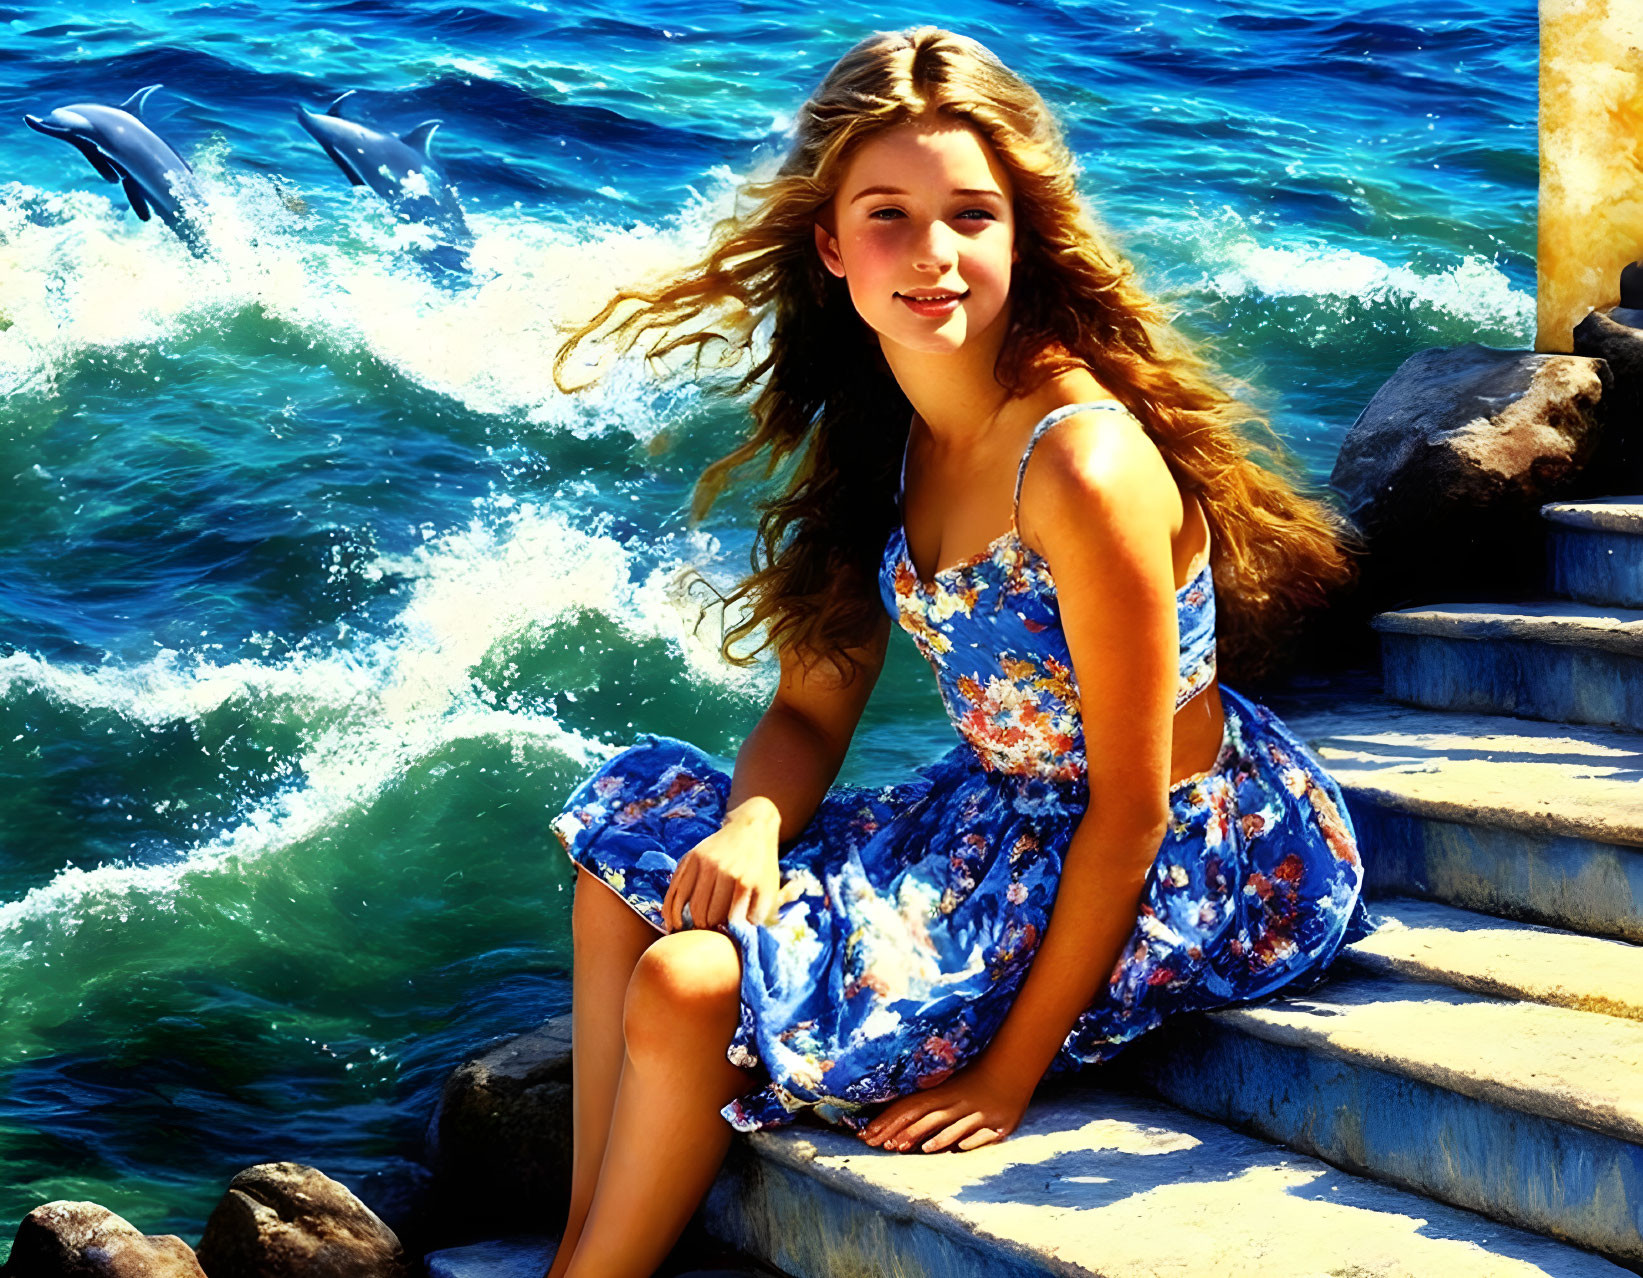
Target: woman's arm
795	750
1109	504
1102	506
782	772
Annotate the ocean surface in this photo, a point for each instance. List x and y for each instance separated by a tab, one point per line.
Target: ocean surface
316	596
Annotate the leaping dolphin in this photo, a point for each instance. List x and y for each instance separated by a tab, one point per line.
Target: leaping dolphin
124	149
396	168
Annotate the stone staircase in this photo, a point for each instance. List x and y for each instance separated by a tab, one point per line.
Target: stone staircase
1480	1056
1486	1048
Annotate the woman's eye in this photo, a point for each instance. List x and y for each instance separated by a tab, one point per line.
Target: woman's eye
884	214
988	214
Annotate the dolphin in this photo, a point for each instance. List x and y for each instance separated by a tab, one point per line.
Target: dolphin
124	149
396	168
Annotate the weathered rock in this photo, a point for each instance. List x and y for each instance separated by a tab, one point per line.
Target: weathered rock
83	1240
1445	469
500	1139
285	1219
1616	337
1631	284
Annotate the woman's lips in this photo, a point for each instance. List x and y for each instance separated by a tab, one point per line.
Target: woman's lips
934	306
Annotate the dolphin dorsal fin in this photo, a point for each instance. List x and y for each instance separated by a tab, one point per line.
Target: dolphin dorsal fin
336	107
134	104
418	138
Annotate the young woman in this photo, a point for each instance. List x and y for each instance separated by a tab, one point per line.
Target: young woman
1005	451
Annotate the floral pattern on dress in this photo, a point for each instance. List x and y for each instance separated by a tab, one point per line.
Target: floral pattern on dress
910	913
1009	688
1195	613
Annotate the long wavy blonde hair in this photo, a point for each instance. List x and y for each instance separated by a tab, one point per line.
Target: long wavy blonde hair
826	398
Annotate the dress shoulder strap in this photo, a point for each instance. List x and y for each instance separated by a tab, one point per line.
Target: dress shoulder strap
1048	420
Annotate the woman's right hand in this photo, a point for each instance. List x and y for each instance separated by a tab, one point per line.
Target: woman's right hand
733	873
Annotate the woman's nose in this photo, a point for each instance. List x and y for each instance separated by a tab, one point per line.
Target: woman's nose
936	248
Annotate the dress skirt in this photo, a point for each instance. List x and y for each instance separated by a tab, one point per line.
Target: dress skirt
909	914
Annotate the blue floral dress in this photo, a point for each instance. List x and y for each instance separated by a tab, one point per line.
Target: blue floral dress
910	912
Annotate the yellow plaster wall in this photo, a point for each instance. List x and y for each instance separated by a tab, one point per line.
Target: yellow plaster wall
1591	159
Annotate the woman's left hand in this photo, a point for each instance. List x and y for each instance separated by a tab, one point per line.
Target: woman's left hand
970	1109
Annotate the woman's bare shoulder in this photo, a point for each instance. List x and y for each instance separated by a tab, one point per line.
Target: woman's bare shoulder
1097	466
1097	450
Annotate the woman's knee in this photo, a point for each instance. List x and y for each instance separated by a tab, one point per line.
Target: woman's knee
684	995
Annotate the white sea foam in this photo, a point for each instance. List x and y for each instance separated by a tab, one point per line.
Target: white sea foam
1242	259
375	712
481	67
84	278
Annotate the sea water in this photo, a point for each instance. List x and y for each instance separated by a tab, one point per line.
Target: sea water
316	596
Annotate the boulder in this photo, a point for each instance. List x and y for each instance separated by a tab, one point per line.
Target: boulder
285	1220
499	1140
1616	338
1631	285
1446	468
82	1240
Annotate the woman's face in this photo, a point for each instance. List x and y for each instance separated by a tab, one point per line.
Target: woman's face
923	232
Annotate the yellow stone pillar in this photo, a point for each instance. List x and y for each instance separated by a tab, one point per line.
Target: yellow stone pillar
1591	160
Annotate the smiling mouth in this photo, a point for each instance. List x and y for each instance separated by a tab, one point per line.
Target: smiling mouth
933	298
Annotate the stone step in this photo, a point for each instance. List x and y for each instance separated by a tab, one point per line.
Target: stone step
1098	1183
1094	1182
1528	820
518	1256
1525	1112
1556	660
1596	550
1424	941
529	1255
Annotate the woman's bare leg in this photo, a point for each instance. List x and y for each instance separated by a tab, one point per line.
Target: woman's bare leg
608	938
667	1137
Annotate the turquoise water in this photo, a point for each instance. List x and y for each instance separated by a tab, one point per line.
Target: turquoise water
316	596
